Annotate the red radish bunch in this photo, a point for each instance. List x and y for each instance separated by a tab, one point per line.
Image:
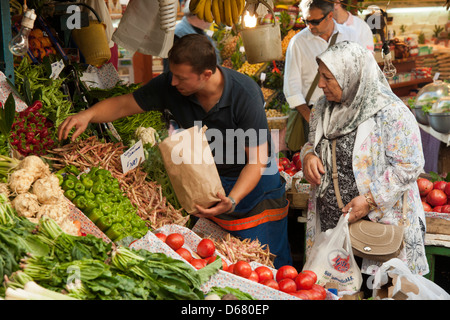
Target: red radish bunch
31	132
435	195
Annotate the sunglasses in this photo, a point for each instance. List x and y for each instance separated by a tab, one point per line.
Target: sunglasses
316	22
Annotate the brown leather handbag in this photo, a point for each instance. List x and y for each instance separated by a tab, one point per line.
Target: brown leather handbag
371	240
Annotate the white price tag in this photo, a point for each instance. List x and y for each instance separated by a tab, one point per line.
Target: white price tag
57	67
132	157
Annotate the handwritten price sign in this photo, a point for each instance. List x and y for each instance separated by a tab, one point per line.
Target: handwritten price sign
132	157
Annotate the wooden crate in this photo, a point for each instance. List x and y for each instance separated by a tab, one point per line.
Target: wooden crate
437	226
298	200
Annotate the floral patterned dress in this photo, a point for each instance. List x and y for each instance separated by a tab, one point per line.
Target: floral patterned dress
387	158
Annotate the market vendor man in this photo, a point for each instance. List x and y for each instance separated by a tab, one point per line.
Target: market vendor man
197	89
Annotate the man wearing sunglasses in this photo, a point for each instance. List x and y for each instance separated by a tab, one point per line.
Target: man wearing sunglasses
301	66
342	16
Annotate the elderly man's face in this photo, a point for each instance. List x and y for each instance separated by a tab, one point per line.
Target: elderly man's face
329	84
317	22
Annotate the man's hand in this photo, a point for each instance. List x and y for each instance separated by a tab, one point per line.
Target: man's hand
221	207
80	121
312	168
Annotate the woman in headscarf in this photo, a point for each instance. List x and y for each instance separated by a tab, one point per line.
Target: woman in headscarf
378	152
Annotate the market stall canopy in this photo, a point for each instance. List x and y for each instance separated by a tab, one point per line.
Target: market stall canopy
146	29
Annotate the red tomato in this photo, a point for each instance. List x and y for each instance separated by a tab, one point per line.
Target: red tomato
447	190
254	276
175	241
290	166
198	263
224	265
312	274
440	185
298	164
304	281
287	285
446	208
283	161
271	283
296	157
425	186
286	271
264	273
206	248
300	295
306	293
436	197
321	290
290	172
316	295
437	209
185	254
426	207
230	268
242	268
161	236
280	167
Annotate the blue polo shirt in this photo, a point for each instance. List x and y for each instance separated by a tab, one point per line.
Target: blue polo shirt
236	121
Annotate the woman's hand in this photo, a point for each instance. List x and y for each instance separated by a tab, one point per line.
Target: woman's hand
221	207
359	209
312	168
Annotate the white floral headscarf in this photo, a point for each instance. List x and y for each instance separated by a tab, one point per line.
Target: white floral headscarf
365	91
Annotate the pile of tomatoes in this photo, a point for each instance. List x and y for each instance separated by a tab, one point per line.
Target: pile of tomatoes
435	195
287	279
204	254
291	167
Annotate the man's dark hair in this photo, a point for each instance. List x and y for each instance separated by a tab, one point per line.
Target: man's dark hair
324	5
195	50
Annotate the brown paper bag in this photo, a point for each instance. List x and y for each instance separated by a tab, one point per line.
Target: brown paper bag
191	169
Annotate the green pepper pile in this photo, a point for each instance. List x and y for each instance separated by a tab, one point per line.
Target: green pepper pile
98	195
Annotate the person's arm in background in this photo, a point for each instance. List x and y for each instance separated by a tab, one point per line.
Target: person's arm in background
293	84
107	110
311	164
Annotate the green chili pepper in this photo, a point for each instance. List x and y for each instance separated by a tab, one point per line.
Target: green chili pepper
100	198
104	222
106	207
92	172
115	231
80	201
89	195
60	178
70	194
71	177
72	169
90	205
103	172
98	188
79	188
95	214
68	184
87	182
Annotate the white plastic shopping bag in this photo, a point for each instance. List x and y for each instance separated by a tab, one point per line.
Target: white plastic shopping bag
394	280
332	259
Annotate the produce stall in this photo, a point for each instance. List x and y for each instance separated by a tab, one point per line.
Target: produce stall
77	206
76	223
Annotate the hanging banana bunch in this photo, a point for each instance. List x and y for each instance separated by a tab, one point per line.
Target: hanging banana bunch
219	11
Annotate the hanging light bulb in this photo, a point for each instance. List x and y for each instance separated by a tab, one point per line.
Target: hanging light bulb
19	44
